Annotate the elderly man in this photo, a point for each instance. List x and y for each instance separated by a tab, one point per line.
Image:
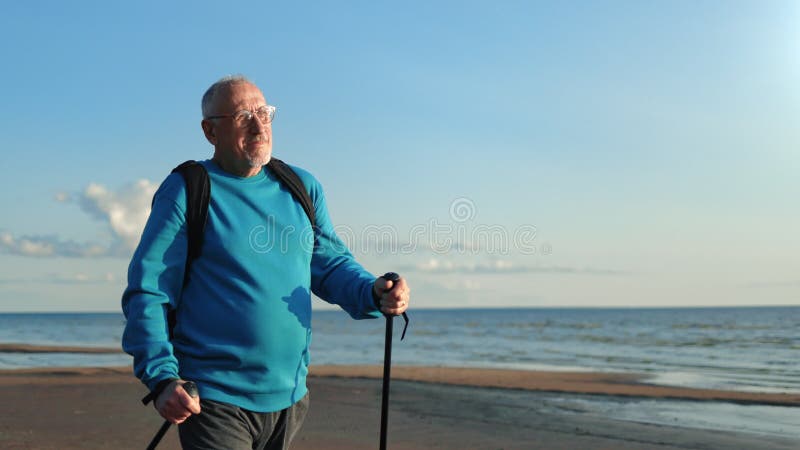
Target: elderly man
243	317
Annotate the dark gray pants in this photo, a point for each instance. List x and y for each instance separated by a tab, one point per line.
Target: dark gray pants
221	426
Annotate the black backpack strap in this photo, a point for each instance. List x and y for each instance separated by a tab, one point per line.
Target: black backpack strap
198	194
292	181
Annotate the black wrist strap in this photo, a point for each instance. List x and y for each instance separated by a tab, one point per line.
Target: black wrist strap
376	300
158	390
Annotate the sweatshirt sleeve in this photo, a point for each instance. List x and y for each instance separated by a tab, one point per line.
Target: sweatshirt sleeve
155	280
336	276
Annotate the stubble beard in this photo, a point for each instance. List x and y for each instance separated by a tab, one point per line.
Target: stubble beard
261	156
260	159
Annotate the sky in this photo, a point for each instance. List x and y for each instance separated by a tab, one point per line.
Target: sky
496	154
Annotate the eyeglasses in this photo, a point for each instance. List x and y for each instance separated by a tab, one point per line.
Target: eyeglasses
242	118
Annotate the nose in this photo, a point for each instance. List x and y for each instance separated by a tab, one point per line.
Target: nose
258	127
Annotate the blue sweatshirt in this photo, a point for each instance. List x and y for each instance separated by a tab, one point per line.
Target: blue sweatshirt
244	319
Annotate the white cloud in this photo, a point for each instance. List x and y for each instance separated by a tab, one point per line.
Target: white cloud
124	211
43	246
498	266
81	278
461	285
62	278
449	266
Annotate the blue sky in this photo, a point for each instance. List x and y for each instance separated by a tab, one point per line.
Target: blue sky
620	153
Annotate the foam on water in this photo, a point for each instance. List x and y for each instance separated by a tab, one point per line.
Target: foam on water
769	420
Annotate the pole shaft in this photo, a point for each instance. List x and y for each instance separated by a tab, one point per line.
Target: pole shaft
387	367
157	438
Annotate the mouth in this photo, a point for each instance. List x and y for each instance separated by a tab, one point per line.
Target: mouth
259	140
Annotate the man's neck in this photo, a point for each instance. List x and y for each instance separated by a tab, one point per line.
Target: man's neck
245	171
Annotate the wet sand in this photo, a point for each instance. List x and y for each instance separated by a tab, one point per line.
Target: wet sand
28	348
431	408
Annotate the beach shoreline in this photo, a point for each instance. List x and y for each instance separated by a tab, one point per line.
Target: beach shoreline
595	383
432	407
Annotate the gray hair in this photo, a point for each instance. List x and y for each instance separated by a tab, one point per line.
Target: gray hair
208	98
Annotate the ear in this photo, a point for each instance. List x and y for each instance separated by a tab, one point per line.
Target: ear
208	130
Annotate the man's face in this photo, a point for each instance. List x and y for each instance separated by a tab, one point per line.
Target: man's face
246	145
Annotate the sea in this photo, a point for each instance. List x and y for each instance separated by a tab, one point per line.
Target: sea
743	349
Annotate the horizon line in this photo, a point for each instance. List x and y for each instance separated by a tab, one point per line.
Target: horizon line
475	308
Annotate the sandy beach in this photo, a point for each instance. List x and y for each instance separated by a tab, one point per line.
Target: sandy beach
431	408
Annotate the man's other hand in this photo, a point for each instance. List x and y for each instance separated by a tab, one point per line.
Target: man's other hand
175	405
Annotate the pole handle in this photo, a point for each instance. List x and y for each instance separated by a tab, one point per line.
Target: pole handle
394	278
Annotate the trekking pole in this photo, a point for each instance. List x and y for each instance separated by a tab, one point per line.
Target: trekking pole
190	389
387	362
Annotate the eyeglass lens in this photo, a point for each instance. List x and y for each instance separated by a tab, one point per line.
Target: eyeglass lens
264	115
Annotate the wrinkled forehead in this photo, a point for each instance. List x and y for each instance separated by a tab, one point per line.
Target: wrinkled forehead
237	96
